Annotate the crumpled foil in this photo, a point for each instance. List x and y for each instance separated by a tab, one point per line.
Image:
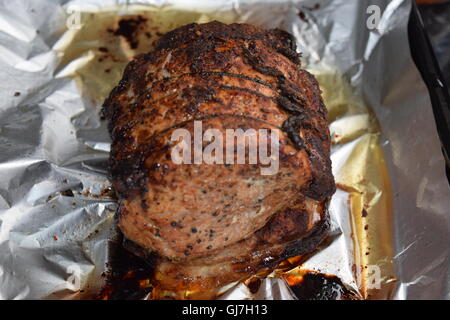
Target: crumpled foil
58	60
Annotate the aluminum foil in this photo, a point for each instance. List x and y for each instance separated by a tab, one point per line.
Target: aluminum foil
58	61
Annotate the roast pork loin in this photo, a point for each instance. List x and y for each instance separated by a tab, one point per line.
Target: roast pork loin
208	225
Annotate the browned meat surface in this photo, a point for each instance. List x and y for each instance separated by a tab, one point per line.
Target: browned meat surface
212	224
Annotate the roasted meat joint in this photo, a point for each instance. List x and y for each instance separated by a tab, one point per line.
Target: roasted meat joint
207	224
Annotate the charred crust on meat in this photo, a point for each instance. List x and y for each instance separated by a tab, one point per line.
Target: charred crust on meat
292	127
197	95
216	73
292	108
144	204
281	41
308	244
287	46
252	56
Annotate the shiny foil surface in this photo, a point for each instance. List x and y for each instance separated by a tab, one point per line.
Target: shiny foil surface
390	216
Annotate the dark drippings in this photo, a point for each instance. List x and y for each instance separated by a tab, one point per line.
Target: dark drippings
130	274
128	28
254	285
318	286
128	277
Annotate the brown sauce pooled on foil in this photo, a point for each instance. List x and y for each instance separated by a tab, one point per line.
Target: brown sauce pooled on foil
128	277
318	286
128	28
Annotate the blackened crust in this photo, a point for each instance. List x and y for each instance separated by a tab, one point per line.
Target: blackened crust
280	40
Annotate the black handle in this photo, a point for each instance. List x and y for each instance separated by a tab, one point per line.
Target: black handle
425	60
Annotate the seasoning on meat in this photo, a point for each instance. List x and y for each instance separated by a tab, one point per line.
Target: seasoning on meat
211	224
